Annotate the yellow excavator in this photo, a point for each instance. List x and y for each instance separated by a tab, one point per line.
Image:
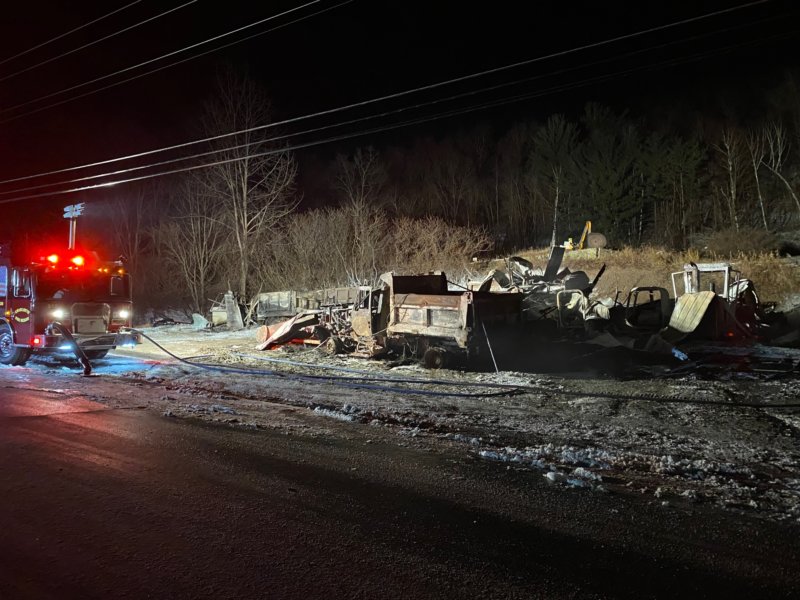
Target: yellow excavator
587	239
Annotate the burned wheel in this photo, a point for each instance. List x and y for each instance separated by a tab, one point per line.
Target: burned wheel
95	354
9	353
434	358
332	345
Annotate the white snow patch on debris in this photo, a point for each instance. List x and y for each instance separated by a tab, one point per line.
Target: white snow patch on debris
790	420
696	469
458	437
581	479
334	414
490	455
555	477
410	431
546	457
586	474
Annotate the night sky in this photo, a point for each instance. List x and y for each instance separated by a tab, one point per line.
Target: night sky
361	50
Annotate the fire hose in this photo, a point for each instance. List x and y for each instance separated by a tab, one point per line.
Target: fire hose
79	353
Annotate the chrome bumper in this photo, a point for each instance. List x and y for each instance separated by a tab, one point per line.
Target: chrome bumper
94	341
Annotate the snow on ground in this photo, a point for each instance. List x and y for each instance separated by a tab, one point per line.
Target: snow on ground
676	441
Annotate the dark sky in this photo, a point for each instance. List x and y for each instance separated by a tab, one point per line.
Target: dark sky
357	51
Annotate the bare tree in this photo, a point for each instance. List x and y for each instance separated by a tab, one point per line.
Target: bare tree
362	178
515	198
445	177
757	149
419	245
361	247
553	147
778	149
193	240
731	151
255	188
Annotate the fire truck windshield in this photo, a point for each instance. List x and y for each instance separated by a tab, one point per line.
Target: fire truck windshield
82	286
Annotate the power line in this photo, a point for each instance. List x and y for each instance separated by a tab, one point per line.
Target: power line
161	68
65	34
97	41
400	94
158	58
351	135
395	111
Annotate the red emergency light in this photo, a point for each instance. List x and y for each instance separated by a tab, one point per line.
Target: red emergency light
57	260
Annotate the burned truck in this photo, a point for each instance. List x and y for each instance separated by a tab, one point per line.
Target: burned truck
419	316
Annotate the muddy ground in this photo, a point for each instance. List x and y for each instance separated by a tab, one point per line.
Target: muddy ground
721	438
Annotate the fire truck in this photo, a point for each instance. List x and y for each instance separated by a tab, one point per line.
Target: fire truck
60	299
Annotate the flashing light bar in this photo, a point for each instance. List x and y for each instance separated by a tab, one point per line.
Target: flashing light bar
54	259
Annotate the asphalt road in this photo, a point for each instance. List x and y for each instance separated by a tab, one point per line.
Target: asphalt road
109	503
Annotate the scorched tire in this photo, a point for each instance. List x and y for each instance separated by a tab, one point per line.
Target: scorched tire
333	345
435	358
9	353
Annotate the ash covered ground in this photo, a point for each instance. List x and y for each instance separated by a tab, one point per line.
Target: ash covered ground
729	441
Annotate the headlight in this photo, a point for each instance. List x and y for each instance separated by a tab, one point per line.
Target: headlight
123	314
58	313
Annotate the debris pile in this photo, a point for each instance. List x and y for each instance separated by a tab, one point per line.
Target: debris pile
530	318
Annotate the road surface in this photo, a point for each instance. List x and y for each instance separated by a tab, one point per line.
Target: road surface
102	502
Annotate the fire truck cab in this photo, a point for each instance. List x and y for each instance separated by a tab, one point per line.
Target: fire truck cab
90	298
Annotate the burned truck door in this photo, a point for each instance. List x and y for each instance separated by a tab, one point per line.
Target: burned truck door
648	308
369	320
361	317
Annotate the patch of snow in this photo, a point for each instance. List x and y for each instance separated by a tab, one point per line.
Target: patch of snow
411	431
555	477
333	414
586	474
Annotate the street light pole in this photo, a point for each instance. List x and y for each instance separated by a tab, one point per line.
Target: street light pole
72	212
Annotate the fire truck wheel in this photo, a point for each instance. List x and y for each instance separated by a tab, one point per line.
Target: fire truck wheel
95	354
10	354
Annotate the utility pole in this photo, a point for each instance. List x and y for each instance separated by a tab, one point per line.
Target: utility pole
72	212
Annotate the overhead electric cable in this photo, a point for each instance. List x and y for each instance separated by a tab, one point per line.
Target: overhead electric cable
381	114
298	146
66	33
97	41
163	67
395	94
163	56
